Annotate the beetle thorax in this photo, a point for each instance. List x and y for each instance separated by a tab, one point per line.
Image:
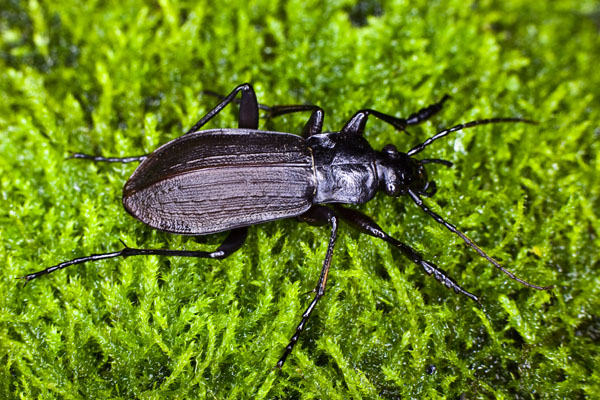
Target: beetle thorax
344	168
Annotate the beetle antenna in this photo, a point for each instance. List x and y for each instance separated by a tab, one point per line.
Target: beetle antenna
459	127
419	202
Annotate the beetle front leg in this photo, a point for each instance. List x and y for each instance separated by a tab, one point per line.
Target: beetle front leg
231	244
356	124
314	215
364	224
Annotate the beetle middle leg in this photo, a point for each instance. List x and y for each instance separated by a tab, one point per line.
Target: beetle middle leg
230	245
312	127
315	122
365	224
248	116
317	215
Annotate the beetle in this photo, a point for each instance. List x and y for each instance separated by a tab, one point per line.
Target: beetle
217	180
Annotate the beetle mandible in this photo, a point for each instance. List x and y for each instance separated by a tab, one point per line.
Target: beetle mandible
217	180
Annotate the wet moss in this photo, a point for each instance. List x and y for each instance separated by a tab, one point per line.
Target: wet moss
120	78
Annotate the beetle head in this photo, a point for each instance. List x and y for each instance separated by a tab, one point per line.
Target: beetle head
398	172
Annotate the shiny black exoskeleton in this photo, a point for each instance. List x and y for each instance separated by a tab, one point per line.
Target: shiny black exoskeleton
349	171
217	180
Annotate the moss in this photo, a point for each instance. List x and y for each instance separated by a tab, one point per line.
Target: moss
120	78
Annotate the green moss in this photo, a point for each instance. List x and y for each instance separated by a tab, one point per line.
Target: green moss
120	78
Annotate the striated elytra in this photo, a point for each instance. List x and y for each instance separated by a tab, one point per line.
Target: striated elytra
216	180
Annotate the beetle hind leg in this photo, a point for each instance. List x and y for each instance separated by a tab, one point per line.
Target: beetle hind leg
108	159
231	244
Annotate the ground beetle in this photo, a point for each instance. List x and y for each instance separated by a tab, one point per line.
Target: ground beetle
216	180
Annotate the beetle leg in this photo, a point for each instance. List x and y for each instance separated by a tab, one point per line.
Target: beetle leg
429	190
356	124
316	119
248	117
108	159
315	213
313	126
232	243
426	112
315	122
236	101
316	216
365	224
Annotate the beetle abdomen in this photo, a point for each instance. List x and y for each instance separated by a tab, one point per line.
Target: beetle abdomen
217	180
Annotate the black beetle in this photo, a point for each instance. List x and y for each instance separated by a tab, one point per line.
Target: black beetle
228	179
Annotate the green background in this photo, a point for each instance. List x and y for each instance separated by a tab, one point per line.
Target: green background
122	77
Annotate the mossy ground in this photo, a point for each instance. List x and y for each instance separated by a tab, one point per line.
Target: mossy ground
121	77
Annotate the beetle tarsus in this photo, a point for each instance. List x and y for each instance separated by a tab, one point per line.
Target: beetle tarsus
426	112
